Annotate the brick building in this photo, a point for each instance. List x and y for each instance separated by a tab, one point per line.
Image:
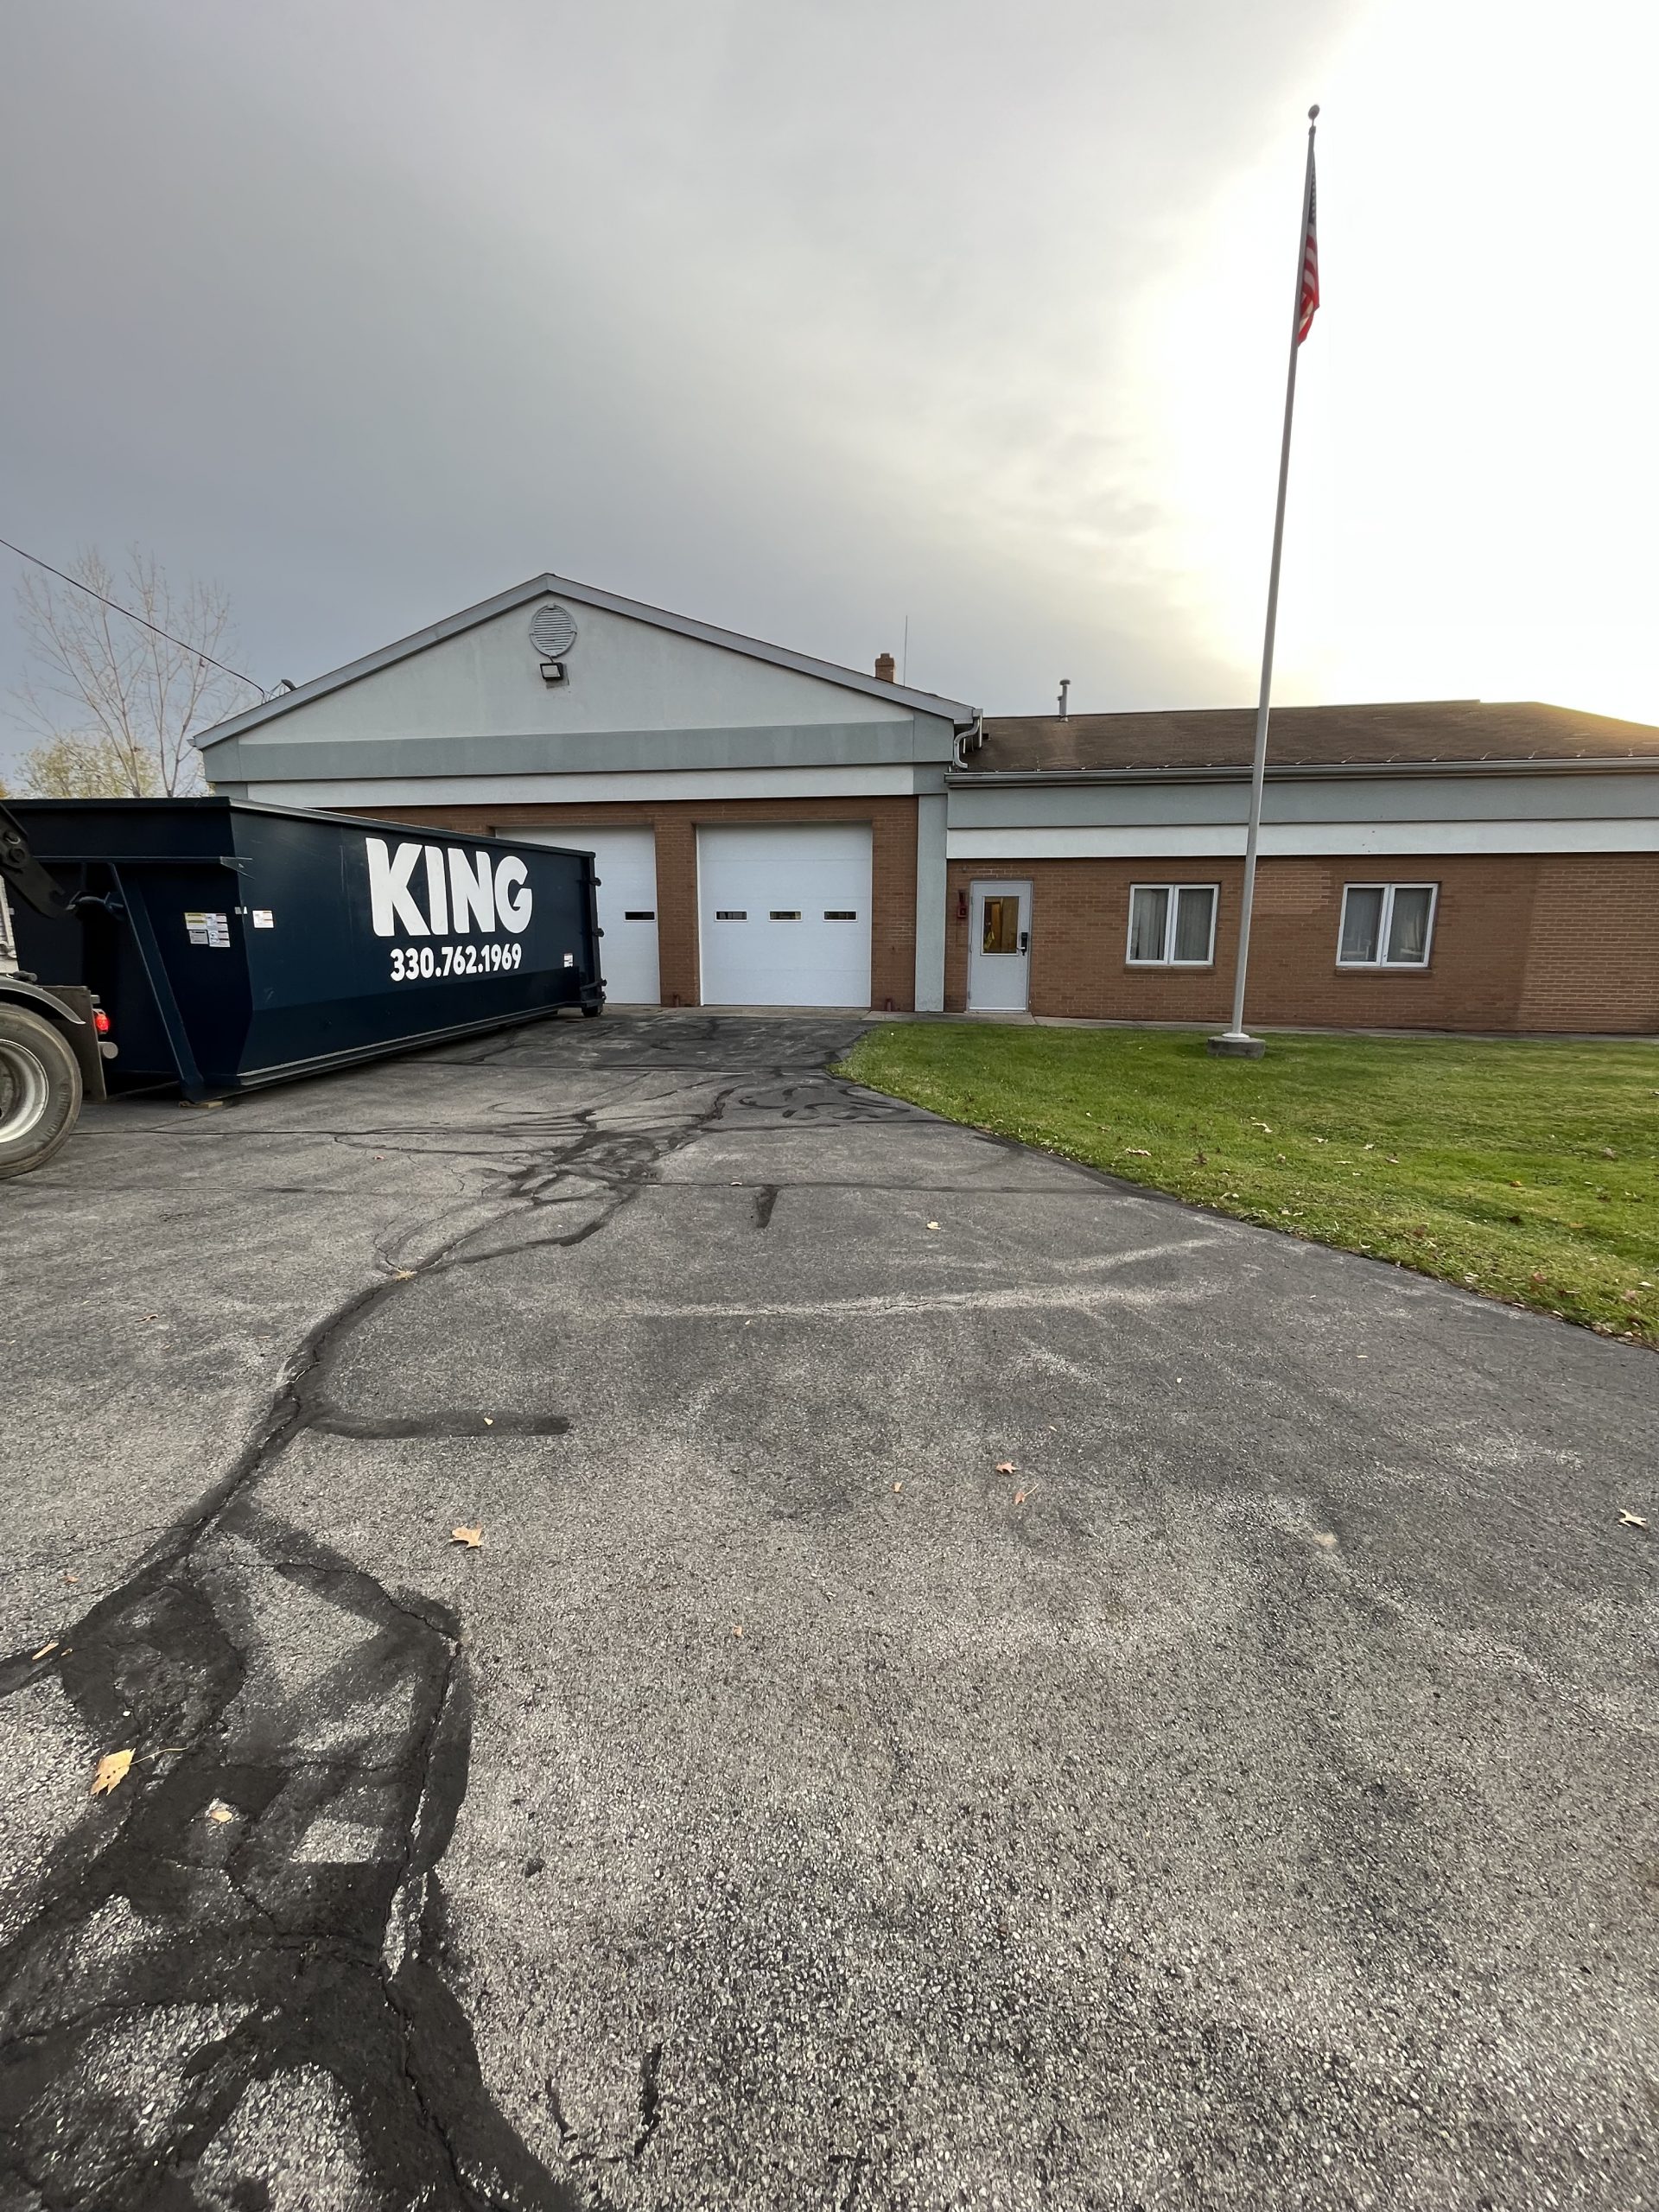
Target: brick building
1445	864
773	829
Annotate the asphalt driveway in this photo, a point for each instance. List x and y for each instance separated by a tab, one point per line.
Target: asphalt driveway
1246	1802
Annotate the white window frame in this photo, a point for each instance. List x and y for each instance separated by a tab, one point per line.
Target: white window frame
1168	959
1385	927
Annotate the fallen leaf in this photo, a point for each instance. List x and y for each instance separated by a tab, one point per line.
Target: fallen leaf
471	1537
112	1772
932	1225
1629	1520
897	1488
1135	1153
1326	1542
737	1628
1020	1498
1005	1467
402	1274
220	1812
72	1578
489	1420
44	1649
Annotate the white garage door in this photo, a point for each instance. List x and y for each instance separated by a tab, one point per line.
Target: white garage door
784	914
624	862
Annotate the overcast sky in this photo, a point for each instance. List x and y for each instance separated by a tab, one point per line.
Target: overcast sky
802	316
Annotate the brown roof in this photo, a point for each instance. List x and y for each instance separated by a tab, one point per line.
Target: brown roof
1221	737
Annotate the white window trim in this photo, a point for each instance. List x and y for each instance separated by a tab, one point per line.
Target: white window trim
1168	959
1385	927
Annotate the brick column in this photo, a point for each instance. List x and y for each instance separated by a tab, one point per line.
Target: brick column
676	910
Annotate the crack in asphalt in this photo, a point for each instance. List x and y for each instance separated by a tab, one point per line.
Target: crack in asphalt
189	1891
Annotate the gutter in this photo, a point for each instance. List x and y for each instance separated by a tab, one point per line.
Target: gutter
970	737
962	778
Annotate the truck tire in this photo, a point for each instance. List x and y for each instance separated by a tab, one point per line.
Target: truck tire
40	1090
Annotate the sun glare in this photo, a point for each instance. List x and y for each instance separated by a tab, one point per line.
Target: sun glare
1476	461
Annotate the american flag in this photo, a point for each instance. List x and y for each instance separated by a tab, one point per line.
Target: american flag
1310	264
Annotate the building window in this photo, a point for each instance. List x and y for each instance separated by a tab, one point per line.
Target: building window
1386	925
1172	924
999	925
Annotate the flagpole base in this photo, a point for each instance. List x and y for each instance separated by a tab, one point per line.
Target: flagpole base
1234	1045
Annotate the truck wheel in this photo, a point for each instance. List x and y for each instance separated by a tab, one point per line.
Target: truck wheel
592	1012
40	1090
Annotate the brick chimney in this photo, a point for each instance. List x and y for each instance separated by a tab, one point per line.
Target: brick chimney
885	668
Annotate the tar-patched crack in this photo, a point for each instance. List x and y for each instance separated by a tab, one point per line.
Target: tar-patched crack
260	1900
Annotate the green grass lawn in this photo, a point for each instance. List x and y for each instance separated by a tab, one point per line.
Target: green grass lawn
1524	1171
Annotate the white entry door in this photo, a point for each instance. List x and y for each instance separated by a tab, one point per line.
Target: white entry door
624	862
784	913
999	948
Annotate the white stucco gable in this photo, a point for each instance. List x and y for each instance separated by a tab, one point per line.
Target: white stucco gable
631	668
620	674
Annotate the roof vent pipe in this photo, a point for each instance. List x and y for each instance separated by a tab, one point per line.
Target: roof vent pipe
1065	691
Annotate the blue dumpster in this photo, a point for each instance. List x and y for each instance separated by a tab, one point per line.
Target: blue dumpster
234	945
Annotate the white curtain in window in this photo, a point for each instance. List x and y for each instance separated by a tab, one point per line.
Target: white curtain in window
1148	916
1193	909
1408	927
1361	921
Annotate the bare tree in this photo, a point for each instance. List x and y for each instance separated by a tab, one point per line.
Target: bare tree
117	704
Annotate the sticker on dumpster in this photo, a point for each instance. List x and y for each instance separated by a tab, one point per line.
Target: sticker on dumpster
209	929
264	918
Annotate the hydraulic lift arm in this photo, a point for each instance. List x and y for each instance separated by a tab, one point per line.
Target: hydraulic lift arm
23	873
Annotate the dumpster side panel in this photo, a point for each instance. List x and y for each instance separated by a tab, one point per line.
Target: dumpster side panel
237	944
154	929
365	937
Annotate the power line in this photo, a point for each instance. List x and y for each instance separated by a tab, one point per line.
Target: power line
23	556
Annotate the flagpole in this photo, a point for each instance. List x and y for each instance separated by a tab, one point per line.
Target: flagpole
1236	1043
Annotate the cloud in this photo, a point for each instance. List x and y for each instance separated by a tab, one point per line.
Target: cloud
796	316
